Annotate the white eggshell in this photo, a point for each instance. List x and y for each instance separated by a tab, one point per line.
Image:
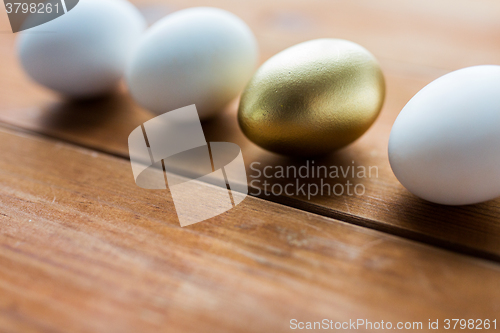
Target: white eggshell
445	144
201	56
83	52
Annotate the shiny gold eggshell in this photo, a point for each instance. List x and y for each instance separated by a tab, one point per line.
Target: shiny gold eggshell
312	98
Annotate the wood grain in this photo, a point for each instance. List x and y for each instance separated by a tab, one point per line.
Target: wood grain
83	249
415	43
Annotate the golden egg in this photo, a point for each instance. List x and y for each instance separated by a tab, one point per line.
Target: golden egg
312	98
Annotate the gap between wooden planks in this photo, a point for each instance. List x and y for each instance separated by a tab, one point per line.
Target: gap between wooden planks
415	42
83	249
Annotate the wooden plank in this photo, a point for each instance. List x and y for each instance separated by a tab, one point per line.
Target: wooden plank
386	205
83	249
416	44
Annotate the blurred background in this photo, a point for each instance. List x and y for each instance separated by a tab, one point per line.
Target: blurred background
408	37
414	41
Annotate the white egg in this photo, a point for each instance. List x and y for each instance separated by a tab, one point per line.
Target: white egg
201	56
445	144
84	52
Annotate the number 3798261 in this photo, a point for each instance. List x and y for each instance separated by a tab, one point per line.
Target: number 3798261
478	324
25	7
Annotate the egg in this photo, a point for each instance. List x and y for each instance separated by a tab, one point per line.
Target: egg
84	52
445	144
202	56
312	98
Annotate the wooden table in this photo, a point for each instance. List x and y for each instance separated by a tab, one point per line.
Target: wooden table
83	249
